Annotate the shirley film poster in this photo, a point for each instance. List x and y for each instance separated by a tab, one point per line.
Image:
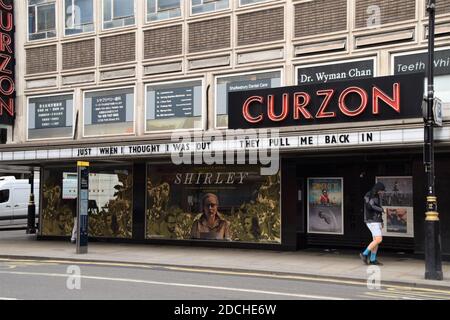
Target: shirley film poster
398	202
244	205
325	205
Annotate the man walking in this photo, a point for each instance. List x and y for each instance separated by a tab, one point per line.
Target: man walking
373	217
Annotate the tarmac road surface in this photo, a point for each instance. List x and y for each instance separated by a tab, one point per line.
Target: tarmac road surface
66	280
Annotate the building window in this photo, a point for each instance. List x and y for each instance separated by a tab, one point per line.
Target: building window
79	16
110	205
407	63
118	13
41	19
242	82
203	6
175	105
163	9
247	203
4	196
50	117
441	91
246	2
109	112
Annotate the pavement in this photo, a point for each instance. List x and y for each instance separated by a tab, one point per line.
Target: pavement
333	264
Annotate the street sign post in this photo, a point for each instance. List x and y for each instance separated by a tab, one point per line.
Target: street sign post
82	206
437	112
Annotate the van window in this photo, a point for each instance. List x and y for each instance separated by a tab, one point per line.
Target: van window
4	196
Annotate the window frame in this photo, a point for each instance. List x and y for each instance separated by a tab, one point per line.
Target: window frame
110	134
54	2
244	73
393	54
208	12
203	118
112	14
9	196
80	33
52	95
253	4
161	20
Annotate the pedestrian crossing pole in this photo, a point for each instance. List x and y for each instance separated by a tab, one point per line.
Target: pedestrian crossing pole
433	260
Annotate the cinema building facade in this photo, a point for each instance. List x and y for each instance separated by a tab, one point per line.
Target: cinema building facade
341	80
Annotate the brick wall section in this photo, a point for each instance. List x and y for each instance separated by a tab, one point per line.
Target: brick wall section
117	49
80	54
261	26
391	11
320	17
41	59
209	35
163	42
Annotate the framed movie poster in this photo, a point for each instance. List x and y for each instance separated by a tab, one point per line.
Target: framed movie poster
326	205
398	202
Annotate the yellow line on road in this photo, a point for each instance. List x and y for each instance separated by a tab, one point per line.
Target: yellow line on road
390	296
318	279
419	294
112	264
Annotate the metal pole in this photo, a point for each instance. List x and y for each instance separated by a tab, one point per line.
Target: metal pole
31	225
433	260
82	206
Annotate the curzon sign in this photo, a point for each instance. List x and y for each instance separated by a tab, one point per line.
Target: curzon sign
7	62
383	98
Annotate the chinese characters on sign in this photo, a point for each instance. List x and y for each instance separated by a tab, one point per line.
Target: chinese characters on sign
50	115
107	109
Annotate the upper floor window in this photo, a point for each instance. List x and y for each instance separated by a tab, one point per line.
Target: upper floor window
79	16
50	117
118	13
202	6
245	2
41	19
163	9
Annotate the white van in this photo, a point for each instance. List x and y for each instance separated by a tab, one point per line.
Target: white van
14	198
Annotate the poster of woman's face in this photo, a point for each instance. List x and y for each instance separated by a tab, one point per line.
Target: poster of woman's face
325	205
398	202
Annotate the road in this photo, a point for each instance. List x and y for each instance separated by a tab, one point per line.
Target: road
42	280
